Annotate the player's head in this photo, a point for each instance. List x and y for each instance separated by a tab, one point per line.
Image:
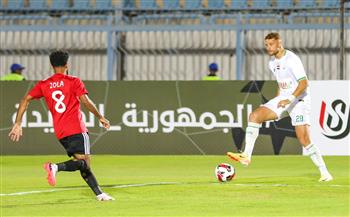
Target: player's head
59	59
273	43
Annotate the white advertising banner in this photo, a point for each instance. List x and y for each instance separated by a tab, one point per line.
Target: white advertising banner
330	116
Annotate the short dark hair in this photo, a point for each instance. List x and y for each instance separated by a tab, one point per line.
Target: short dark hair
273	35
59	58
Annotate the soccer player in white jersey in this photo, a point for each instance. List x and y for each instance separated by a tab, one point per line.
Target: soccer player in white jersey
293	96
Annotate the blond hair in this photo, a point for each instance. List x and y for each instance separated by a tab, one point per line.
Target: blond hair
273	35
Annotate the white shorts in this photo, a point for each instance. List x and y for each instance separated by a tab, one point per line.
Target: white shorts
299	110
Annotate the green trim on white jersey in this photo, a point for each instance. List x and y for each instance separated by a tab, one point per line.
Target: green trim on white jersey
302	78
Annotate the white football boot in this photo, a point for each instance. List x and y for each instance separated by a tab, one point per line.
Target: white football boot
326	177
104	197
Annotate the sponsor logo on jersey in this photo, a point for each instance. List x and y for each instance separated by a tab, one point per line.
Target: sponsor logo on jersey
285	85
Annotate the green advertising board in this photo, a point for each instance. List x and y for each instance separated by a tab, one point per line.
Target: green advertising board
154	117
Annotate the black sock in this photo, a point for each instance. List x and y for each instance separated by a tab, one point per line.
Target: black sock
71	165
90	179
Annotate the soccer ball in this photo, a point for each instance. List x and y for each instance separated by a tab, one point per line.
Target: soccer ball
224	172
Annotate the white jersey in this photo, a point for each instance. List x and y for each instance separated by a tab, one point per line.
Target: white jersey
288	71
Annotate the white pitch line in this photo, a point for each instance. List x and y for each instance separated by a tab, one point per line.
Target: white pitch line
165	183
80	188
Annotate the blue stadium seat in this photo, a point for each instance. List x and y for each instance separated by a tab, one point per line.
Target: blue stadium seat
148	4
239	4
285	4
37	4
331	4
193	4
307	4
129	4
15	4
171	4
261	4
81	4
103	4
59	4
217	4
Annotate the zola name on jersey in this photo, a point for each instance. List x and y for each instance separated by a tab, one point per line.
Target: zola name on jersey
56	84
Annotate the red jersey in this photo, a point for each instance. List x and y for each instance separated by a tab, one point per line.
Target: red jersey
62	94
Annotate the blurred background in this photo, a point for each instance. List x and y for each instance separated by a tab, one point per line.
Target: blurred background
173	39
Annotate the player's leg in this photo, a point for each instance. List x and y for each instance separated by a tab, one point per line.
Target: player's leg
87	174
256	118
303	135
266	112
83	154
78	146
90	179
68	166
72	144
300	116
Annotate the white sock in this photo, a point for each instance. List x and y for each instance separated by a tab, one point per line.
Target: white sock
55	167
315	154
251	133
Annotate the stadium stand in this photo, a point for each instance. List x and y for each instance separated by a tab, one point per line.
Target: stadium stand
262	4
214	5
60	5
167	4
170	5
103	5
168	39
193	5
37	5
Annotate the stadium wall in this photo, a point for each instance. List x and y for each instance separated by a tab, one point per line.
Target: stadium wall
165	117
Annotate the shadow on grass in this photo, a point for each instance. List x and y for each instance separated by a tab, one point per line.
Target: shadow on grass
51	202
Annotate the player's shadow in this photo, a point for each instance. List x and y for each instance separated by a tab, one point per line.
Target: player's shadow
138	185
50	202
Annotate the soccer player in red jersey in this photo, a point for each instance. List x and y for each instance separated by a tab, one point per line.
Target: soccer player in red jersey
63	94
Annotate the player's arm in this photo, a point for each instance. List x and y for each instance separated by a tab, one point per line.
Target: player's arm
87	102
16	131
302	85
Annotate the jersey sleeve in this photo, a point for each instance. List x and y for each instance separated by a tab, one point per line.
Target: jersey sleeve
298	69
79	88
36	92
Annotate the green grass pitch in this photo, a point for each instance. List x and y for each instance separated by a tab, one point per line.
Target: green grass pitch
176	186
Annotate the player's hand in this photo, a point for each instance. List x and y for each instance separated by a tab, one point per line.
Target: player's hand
104	122
16	132
283	103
